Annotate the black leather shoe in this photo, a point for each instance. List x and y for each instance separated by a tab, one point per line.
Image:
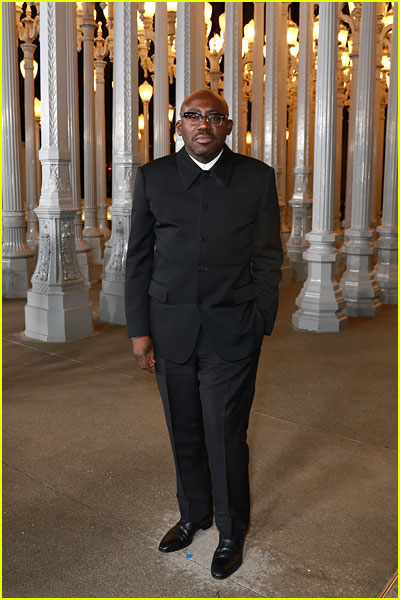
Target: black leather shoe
181	534
227	557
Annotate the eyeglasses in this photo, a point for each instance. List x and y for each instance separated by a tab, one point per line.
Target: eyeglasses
195	118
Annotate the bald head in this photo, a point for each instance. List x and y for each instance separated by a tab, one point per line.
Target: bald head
205	95
203	139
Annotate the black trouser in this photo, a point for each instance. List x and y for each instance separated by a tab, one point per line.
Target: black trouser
207	404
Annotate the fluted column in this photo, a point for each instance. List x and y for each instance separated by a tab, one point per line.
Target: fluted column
233	82
377	167
101	182
37	148
274	124
161	103
18	257
340	98
126	158
91	233
274	116
291	142
32	194
282	108
380	147
257	87
198	77
320	302
313	84
359	286
386	267
354	23
190	74
301	199
82	249
58	307
337	221
110	45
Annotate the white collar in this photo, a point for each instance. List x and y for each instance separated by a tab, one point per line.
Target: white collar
209	165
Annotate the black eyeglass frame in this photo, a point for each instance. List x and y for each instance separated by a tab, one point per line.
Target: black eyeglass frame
197	121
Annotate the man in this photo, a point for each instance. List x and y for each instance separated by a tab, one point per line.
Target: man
202	275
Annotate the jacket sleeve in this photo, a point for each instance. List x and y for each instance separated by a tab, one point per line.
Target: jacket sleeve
139	262
267	254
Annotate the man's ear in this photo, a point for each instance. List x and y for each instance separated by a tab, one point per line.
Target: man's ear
229	125
178	128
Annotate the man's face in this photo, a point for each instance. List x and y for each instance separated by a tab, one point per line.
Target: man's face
202	140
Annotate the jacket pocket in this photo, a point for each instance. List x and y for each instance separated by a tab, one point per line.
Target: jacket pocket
244	294
158	291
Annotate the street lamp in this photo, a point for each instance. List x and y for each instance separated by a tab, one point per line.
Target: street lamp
221	21
292	33
388	18
214	54
316	29
38	109
207	18
35	68
343	35
294	50
248	143
141	136
171	112
146	93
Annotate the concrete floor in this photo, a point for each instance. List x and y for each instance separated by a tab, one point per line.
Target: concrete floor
88	471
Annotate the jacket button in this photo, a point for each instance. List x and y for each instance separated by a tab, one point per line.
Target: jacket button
203	238
201	268
199	300
205	205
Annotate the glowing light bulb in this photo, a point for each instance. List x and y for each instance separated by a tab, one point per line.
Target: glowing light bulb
249	31
145	91
245	46
291	35
385	62
316	29
294	50
35	68
141	122
221	22
216	43
149	9
37	108
343	35
345	58
207	11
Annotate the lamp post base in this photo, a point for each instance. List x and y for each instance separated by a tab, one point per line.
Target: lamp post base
58	317
17	274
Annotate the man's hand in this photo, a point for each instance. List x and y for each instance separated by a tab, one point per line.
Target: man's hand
143	351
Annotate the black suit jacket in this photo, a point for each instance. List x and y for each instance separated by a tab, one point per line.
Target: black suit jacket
204	248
